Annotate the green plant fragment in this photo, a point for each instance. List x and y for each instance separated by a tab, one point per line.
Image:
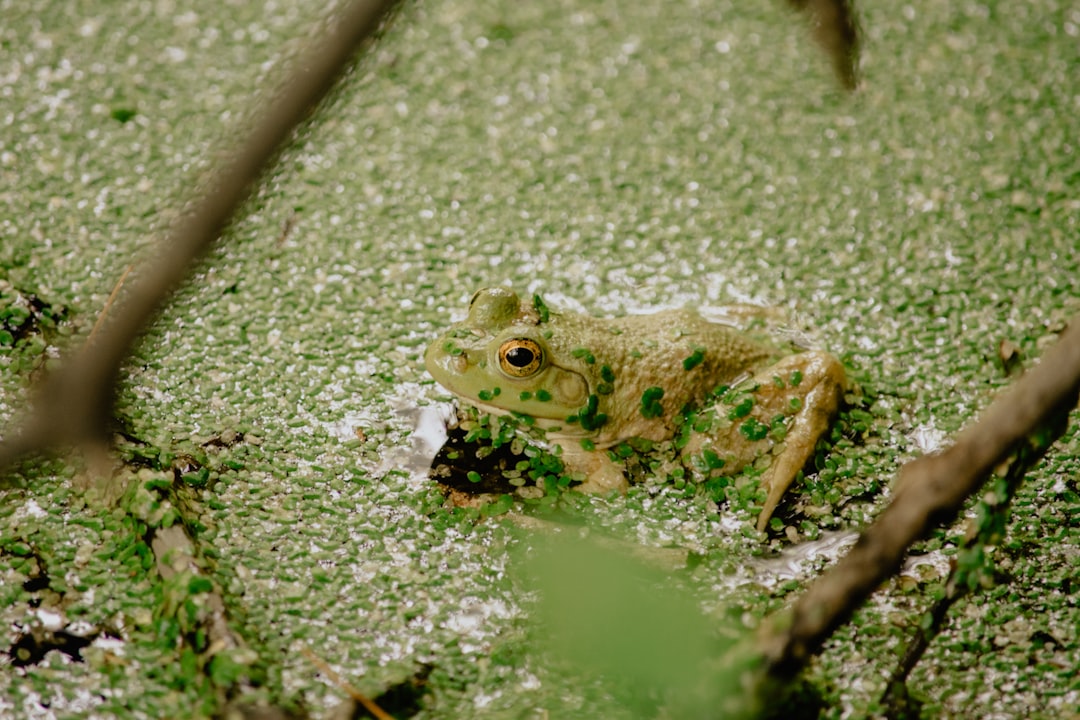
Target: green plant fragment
541	308
695	359
650	402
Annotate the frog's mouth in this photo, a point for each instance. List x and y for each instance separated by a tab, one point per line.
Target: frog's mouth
557	425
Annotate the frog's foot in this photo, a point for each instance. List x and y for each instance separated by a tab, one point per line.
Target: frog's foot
821	388
602	475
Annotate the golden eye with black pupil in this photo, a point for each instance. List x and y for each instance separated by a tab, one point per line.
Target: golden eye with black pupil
520	357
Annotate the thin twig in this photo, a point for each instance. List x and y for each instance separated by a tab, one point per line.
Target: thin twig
109	302
930	491
377	712
287	228
75	403
973	568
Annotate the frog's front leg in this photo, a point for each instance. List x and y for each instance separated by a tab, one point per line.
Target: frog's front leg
820	385
602	474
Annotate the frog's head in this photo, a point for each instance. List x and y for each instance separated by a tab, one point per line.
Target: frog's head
501	359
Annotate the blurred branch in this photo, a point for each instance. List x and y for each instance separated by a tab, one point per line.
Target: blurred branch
929	492
836	30
75	403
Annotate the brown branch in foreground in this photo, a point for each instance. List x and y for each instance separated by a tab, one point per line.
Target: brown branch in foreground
836	30
75	403
971	568
929	491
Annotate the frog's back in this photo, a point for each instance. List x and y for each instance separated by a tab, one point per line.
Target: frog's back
665	343
634	357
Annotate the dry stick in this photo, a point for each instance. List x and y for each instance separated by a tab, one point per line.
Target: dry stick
376	712
836	31
109	302
970	567
930	491
75	403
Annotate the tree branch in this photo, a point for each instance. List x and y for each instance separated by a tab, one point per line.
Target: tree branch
930	491
836	30
75	403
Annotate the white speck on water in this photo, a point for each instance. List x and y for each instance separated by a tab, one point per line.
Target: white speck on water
474	619
114	645
951	258
345	428
937	559
529	681
50	620
803	561
429	433
175	54
81	628
90	27
482	700
865	342
186	19
927	438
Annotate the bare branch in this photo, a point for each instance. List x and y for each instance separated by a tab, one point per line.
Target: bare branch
930	491
972	568
836	30
75	403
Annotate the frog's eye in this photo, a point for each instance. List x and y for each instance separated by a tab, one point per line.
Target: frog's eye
520	357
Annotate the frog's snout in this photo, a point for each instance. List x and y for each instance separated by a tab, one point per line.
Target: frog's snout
457	363
440	363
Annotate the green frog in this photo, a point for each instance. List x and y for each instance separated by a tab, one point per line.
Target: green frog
592	384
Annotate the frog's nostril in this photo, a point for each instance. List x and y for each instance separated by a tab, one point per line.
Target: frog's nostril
458	363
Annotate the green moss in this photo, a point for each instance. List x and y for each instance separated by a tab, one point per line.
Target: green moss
651	407
754	430
541	309
694	359
742	408
584	354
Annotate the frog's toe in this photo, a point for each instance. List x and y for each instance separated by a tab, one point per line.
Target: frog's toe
775	484
825	375
603	483
601	474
